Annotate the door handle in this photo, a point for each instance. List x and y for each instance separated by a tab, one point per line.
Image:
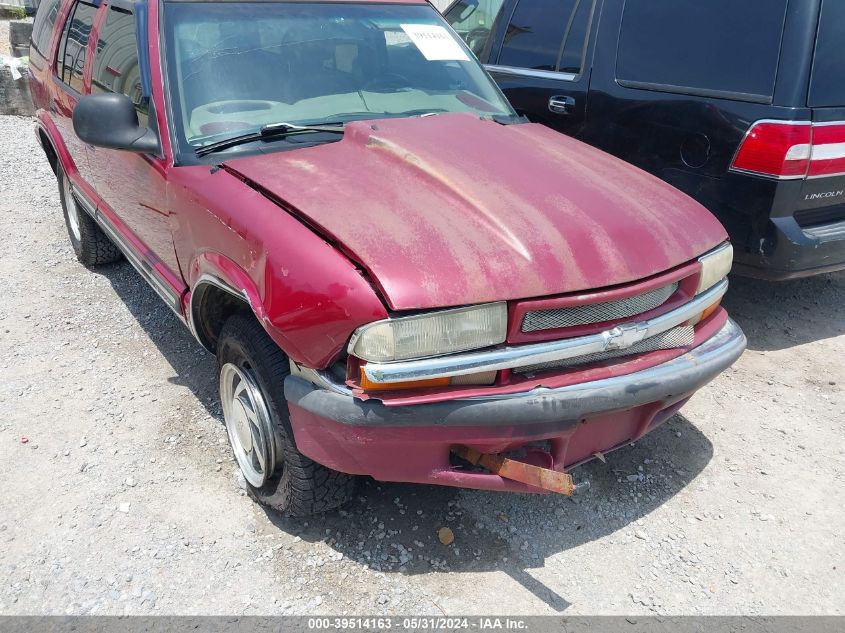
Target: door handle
560	104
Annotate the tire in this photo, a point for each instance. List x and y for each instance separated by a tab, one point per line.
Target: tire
293	484
90	244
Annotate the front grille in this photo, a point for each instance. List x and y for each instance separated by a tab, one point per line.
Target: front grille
597	312
676	337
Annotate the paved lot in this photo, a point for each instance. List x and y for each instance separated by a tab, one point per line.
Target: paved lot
119	494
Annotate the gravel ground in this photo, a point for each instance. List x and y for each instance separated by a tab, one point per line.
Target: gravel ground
120	493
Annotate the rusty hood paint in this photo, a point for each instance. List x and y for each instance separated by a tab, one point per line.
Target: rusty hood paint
452	209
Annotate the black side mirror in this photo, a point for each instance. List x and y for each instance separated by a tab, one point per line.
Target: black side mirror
110	120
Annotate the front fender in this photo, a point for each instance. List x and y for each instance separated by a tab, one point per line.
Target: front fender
308	296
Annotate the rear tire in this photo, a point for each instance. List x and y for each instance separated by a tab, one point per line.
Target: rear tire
252	374
90	244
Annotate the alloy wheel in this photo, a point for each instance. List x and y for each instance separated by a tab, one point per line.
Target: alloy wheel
72	210
248	423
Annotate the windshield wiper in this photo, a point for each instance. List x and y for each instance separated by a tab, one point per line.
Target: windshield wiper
269	131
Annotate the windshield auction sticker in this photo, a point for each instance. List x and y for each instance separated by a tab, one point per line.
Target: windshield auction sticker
434	42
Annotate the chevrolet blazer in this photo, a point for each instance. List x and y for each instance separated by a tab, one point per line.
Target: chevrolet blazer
399	276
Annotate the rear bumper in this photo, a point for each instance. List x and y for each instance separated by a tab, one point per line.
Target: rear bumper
789	251
412	443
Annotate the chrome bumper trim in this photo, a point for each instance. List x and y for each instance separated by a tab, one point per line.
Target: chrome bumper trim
564	406
620	337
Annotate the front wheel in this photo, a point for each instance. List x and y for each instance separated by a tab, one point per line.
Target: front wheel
252	374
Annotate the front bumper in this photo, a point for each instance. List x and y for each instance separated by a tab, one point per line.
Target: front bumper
789	251
412	443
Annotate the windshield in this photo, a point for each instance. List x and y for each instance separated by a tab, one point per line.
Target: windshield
235	67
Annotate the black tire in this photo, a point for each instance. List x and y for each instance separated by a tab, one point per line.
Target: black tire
299	486
90	244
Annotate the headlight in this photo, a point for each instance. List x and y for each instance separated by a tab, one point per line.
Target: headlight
433	334
715	266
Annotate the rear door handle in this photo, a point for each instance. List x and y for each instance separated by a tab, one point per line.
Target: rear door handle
560	104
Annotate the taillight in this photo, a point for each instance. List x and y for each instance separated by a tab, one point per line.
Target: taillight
790	149
828	154
774	148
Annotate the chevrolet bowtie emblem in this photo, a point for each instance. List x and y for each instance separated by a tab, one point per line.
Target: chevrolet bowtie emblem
623	336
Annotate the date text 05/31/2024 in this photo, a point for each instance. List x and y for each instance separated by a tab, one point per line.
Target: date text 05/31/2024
418	623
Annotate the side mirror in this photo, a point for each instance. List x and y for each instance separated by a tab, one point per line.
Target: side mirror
109	120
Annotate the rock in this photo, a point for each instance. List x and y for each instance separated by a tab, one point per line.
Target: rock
148	596
83	442
129	481
124	507
446	536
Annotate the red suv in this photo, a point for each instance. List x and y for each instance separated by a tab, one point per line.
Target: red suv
399	277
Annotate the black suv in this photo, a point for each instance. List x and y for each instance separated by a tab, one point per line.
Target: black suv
739	104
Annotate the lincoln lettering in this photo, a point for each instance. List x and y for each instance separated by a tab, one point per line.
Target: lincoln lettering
825	194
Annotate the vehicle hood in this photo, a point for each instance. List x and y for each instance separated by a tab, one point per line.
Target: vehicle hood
451	209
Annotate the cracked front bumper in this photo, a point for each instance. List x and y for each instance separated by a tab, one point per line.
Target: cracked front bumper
412	443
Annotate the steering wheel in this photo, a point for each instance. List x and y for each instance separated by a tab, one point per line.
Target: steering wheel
387	81
477	38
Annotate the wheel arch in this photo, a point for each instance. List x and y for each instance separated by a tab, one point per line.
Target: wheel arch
222	289
47	146
211	303
54	147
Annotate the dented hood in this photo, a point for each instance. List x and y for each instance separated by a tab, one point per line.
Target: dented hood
451	209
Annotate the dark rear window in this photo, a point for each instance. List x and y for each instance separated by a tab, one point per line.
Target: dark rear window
714	47
827	87
547	35
70	62
42	28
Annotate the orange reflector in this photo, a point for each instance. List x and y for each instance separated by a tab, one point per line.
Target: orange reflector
707	312
369	385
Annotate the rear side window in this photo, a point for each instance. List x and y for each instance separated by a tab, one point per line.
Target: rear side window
547	35
827	87
718	47
42	28
70	62
116	65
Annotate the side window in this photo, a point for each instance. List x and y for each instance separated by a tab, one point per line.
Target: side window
42	28
116	67
70	61
688	46
826	87
547	35
474	21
